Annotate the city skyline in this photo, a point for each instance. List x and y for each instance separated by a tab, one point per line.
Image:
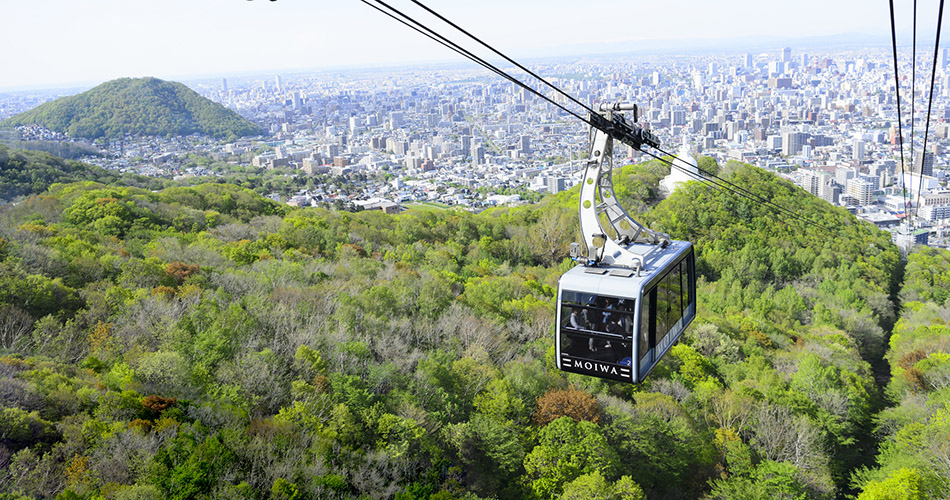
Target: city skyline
83	43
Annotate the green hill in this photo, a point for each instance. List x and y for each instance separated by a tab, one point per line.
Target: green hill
23	173
137	106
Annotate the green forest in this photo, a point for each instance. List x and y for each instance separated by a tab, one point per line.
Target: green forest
205	342
24	173
137	106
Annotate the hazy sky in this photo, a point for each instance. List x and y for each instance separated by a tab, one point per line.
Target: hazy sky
62	42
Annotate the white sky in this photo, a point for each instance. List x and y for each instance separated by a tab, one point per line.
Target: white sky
49	43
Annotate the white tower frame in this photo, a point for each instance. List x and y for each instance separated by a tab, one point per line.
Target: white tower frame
633	242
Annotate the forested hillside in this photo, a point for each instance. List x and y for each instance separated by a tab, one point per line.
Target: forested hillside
23	173
137	106
205	342
914	458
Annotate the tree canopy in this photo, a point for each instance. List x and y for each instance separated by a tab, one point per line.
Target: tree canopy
204	341
23	173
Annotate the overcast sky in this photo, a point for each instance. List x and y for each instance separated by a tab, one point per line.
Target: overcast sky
50	43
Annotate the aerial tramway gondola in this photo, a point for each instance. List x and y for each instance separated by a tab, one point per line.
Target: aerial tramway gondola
630	298
634	291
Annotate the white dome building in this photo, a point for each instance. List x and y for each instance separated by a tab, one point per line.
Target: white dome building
685	161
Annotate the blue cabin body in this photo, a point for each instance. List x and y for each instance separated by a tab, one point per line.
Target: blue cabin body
614	324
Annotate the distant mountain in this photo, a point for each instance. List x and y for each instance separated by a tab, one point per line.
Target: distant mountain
138	106
705	46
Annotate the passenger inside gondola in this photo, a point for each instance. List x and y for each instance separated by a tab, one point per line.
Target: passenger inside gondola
577	319
597	328
597	344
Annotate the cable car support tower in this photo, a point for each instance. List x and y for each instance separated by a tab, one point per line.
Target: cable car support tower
632	242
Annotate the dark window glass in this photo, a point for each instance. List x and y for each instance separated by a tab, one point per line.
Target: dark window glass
690	278
646	317
676	295
610	316
567	341
662	309
597	328
572	298
687	283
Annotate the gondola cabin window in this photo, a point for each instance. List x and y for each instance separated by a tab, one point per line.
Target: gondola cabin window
599	330
668	307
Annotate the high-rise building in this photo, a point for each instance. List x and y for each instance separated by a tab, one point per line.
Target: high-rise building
860	190
924	163
873	180
401	147
556	184
396	146
843	174
776	68
810	181
748	61
478	155
827	189
787	55
731	129
224	84
525	144
396	119
277	82
792	143
858	150
894	136
413	162
678	116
